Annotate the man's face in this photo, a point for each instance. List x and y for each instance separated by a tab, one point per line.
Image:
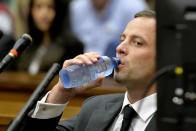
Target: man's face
137	52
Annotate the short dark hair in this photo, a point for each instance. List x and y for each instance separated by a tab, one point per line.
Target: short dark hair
146	13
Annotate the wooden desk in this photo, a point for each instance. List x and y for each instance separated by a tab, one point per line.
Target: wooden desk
16	88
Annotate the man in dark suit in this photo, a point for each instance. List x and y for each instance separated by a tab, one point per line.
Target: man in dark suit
106	112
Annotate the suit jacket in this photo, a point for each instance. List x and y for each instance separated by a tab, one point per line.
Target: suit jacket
97	114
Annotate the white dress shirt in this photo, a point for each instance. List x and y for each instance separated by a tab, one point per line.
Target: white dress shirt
144	115
46	110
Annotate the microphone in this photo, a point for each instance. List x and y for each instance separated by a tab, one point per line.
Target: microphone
21	44
16	124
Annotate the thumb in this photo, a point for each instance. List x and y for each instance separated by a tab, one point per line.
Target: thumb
96	83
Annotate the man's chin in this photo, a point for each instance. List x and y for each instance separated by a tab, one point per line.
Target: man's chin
118	79
119	76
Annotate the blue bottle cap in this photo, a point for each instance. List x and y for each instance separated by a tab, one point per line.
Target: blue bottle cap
116	61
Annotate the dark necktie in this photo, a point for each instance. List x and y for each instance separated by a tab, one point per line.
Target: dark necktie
129	113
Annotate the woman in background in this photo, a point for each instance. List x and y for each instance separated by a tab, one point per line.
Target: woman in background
48	24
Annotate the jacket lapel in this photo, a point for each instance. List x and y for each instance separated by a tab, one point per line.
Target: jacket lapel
152	124
103	117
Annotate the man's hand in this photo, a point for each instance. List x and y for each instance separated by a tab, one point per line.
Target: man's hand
59	94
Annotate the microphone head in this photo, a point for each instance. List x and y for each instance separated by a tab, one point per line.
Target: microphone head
27	36
22	43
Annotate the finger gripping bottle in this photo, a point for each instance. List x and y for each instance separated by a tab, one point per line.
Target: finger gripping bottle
76	75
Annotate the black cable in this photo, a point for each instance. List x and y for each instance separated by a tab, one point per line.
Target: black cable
162	72
1	34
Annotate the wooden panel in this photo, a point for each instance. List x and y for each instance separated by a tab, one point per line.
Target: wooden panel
16	88
9	109
23	81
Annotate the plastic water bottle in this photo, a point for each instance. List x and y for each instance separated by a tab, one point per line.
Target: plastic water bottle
76	75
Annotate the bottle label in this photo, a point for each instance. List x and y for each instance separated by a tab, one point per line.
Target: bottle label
101	66
71	68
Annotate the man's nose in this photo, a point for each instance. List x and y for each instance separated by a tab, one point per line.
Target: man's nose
121	49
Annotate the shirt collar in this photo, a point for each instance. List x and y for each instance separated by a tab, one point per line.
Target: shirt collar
148	108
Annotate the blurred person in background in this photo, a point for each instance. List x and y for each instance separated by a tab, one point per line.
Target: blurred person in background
20	9
98	23
6	20
48	25
7	30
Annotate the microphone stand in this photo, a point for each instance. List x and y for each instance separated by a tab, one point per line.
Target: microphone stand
4	62
34	98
